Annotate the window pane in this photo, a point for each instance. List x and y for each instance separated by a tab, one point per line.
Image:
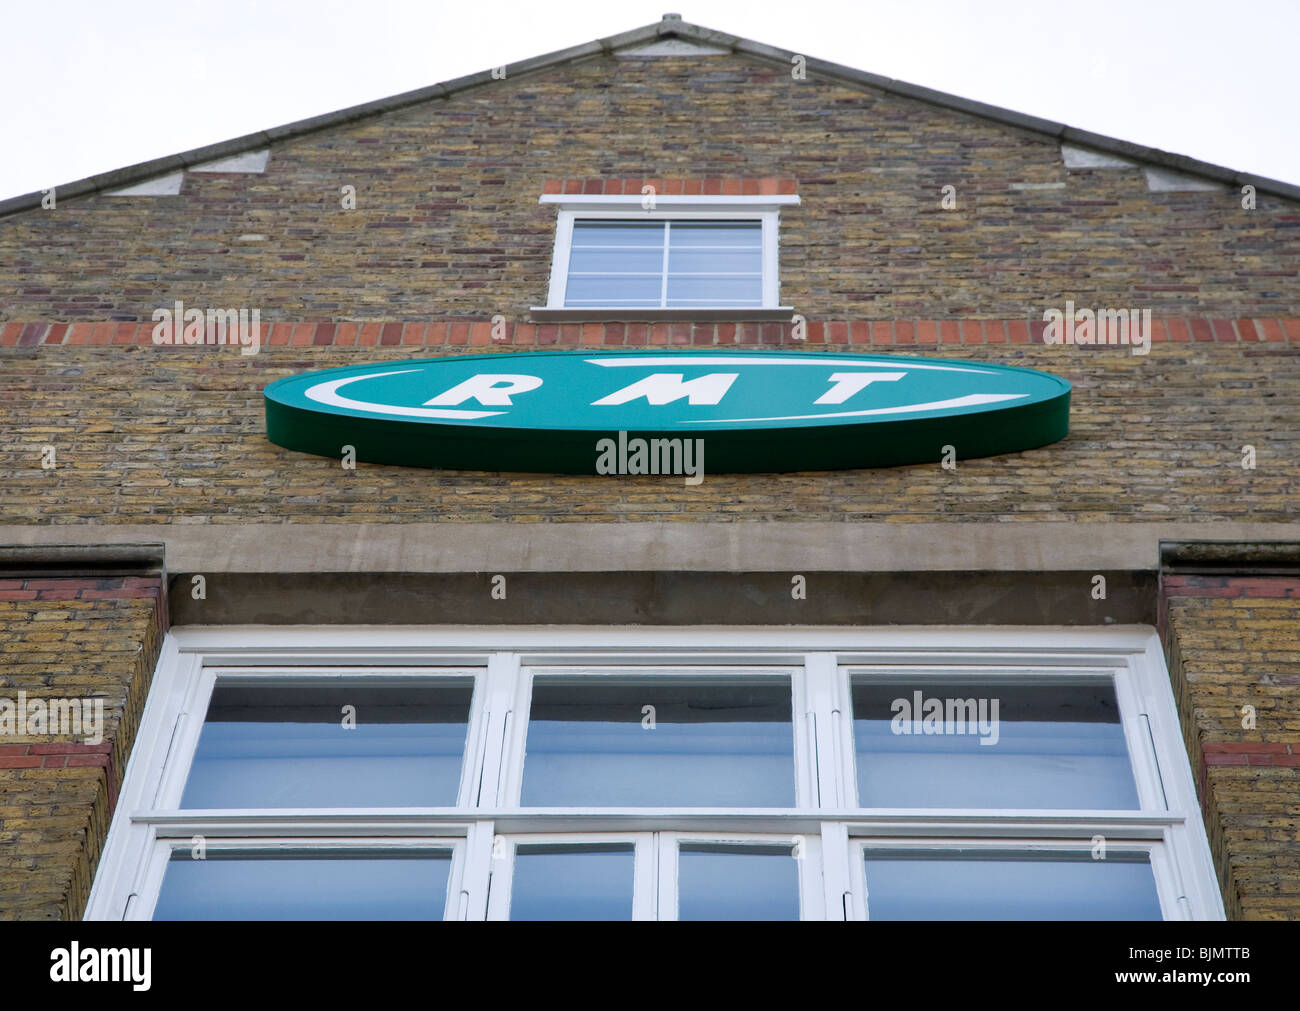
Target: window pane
701	289
951	744
602	291
592	882
1010	887
290	746
714	261
305	885
618	233
617	261
737	883
620	263
660	741
747	234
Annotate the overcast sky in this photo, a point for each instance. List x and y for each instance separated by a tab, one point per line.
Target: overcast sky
92	85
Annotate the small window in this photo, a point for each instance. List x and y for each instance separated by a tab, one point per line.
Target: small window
665	263
684	255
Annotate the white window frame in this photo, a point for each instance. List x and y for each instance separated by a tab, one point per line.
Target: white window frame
643	866
655	862
187	732
805	851
512	779
172	838
147	824
1167	883
574	207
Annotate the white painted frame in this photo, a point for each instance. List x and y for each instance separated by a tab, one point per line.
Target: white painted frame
166	845
806	851
573	207
172	784
516	743
655	861
1140	746
1173	903
643	867
818	660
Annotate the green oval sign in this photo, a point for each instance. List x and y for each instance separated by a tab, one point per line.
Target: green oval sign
590	412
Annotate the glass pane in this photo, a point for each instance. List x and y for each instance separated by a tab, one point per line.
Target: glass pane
948	744
592	882
737	883
305	885
715	261
702	289
601	291
747	234
660	741
620	263
291	745
618	233
617	261
1010	887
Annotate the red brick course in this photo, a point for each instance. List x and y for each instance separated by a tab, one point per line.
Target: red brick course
708	186
456	332
78	588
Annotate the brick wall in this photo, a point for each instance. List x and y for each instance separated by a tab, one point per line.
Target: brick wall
1234	642
178	435
447	222
68	637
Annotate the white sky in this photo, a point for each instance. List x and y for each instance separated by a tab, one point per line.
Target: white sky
93	85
